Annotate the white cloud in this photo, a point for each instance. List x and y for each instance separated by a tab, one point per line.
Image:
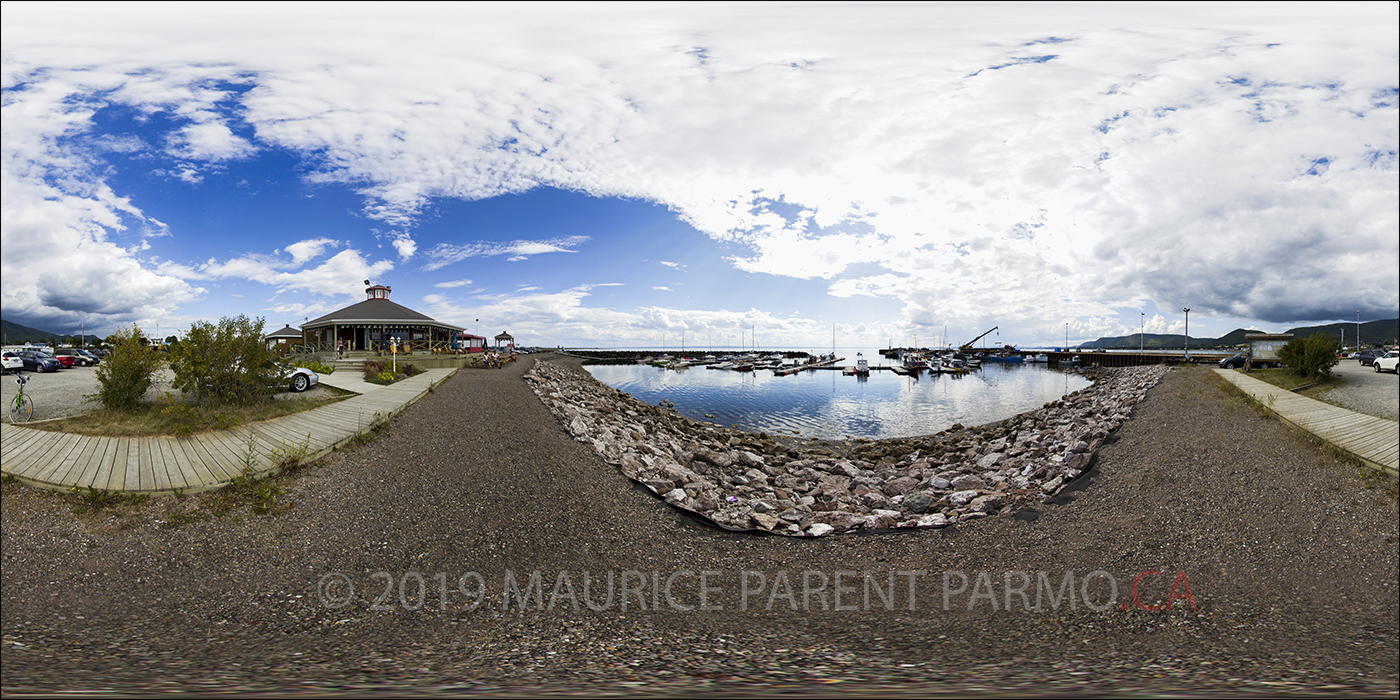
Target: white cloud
444	254
452	284
405	245
303	251
1239	159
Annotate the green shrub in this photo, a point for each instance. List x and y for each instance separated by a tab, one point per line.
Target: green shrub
127	373
314	366
373	368
225	364
1311	356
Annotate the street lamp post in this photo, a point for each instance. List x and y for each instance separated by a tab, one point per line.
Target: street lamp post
1142	326
1187	335
1358	330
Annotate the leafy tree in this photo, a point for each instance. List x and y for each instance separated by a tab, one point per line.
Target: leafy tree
126	373
225	364
172	340
1311	356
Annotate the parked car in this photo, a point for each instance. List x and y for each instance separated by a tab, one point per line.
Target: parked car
79	357
299	379
93	358
35	361
65	361
1235	361
296	379
1366	357
1388	363
12	363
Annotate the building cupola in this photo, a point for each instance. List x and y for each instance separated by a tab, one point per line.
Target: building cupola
376	291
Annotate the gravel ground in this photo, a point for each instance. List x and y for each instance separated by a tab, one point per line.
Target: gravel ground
60	394
1290	558
1366	391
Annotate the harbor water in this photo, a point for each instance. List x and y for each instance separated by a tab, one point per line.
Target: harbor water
827	404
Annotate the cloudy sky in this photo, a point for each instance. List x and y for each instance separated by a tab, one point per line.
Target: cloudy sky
622	174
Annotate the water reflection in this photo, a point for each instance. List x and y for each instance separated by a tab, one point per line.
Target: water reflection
827	404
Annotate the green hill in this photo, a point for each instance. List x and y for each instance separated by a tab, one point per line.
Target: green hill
15	334
1149	341
1372	333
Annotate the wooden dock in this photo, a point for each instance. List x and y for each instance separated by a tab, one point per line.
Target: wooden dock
60	461
1375	441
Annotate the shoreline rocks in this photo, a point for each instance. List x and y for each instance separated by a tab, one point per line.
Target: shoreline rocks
746	481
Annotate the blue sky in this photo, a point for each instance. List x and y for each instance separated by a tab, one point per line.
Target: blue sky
615	174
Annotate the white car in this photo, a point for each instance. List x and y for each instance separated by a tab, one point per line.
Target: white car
13	363
299	379
1388	362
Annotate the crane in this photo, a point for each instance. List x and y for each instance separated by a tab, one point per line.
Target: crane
966	347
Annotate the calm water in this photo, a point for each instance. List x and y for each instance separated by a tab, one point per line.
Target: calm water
827	404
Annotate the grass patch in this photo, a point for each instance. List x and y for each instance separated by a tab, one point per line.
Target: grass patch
1287	379
169	419
1371	478
378	423
91	500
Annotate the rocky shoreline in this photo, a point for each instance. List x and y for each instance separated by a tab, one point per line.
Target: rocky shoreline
754	482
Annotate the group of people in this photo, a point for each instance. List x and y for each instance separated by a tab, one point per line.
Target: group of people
494	359
498	359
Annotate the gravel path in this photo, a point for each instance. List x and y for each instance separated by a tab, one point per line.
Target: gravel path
1290	558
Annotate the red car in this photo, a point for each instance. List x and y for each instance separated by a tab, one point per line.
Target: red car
65	360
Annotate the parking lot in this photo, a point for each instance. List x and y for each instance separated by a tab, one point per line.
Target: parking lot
1366	391
60	394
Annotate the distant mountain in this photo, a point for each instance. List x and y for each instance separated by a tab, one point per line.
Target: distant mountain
1149	341
1372	333
15	334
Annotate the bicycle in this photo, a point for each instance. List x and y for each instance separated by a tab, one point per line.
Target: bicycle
22	408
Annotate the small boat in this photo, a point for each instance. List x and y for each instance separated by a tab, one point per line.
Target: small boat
862	365
1041	357
1004	358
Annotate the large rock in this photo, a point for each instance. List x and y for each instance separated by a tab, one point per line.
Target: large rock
745	481
968	482
962	498
900	486
917	502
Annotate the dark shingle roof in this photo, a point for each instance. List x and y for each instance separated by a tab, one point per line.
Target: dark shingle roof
371	310
285	332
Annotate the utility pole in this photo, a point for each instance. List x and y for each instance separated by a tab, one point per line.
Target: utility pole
1187	335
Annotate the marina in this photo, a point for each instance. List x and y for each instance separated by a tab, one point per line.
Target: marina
800	399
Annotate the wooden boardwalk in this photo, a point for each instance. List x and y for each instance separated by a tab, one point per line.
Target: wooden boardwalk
200	462
1375	441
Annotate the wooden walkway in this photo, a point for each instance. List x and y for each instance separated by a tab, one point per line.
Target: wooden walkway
1375	441
200	462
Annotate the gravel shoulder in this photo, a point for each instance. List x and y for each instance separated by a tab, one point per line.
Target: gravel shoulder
1290	555
60	394
1366	391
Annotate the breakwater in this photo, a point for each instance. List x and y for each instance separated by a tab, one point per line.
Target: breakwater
596	356
747	481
